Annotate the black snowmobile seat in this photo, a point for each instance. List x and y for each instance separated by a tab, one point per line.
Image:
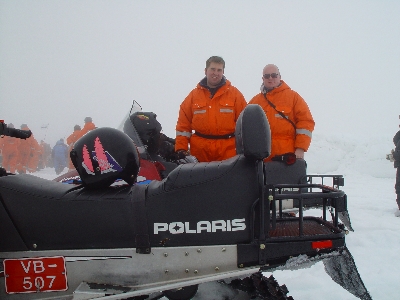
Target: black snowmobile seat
53	215
209	191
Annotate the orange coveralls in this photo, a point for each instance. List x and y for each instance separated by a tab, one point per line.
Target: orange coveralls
87	127
10	153
214	116
284	138
71	139
28	155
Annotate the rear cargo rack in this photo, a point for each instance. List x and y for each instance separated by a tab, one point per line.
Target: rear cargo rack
273	229
336	181
319	195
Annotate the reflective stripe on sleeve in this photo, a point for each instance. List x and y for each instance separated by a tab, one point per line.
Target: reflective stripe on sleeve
279	116
304	131
184	133
199	111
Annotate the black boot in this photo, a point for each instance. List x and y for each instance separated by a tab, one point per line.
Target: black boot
398	202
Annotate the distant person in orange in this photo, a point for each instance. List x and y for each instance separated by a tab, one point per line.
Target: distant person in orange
89	125
71	139
207	116
289	116
9	147
23	154
34	154
45	155
36	165
28	153
1	146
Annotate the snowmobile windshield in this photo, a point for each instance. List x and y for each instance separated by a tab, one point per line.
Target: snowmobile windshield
129	128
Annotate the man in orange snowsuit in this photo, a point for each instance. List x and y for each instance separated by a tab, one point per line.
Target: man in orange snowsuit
9	147
28	153
71	139
45	155
89	125
207	116
289	116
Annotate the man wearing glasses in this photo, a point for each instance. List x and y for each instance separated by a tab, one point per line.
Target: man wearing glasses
288	114
207	116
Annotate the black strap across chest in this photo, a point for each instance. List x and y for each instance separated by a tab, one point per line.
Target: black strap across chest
279	112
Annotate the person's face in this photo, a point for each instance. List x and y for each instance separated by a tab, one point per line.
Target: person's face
214	74
271	82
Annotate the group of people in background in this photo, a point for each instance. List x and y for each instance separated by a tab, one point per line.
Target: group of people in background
24	155
29	156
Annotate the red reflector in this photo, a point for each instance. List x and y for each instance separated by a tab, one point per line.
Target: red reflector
322	244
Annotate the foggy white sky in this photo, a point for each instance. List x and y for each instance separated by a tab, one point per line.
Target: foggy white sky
61	61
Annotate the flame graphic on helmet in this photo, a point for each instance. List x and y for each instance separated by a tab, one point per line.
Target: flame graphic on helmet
87	162
106	162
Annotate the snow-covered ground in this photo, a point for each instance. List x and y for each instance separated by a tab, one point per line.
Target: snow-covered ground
375	242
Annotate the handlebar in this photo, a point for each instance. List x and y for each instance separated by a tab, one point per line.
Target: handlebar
12	132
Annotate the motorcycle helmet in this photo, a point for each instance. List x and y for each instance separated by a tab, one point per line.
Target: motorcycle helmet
104	155
148	128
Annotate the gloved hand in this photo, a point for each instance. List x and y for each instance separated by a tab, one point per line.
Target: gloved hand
166	150
181	154
176	156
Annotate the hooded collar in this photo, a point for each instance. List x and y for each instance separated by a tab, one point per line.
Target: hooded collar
265	90
203	83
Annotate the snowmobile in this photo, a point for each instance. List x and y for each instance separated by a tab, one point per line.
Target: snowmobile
113	235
